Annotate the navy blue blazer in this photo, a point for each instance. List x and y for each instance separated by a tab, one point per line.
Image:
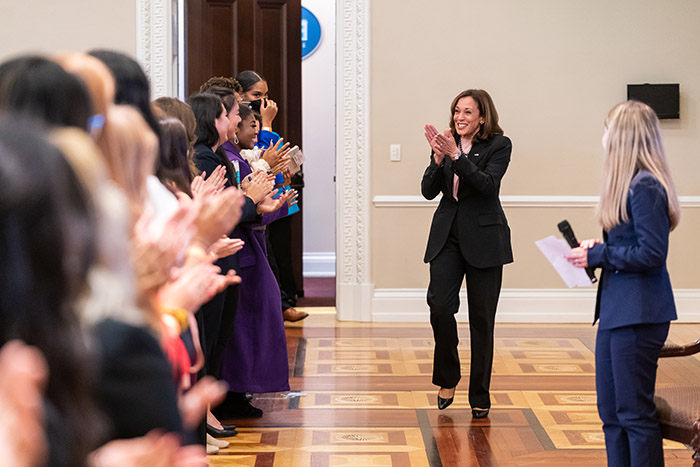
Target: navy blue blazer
484	235
635	287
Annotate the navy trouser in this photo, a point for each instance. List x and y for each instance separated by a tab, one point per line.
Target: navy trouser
626	362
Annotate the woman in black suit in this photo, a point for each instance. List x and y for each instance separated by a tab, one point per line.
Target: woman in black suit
469	237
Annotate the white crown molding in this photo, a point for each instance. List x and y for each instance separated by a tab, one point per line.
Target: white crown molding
154	46
518	305
513	201
352	160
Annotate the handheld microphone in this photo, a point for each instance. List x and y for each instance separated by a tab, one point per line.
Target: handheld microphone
568	233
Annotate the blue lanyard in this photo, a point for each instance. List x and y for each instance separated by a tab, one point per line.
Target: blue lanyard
238	174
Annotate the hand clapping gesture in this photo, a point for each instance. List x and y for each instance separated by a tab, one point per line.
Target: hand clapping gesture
271	204
276	156
212	185
258	185
218	215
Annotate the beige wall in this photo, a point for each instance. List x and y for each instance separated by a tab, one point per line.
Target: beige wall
49	26
553	69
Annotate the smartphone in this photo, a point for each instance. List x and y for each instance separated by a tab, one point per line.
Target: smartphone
255	105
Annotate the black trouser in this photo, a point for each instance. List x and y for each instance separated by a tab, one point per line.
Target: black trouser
447	271
224	333
279	251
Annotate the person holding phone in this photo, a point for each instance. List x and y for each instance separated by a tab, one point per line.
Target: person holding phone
638	209
469	237
255	94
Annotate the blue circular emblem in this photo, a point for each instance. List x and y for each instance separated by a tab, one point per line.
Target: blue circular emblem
310	33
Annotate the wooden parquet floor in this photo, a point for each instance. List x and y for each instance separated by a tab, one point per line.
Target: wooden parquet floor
366	399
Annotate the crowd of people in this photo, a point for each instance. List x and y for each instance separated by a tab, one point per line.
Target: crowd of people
141	301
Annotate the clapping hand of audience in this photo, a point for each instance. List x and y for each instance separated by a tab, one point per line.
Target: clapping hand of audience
291	197
193	404
221	281
287	174
23	374
217	215
271	204
225	246
156	449
155	251
258	185
190	286
212	185
277	156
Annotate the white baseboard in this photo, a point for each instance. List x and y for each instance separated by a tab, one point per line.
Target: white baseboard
319	264
518	305
354	302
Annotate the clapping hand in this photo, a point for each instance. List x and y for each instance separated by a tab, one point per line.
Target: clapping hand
154	250
212	185
446	144
431	135
23	376
258	185
276	156
226	246
269	203
218	215
156	449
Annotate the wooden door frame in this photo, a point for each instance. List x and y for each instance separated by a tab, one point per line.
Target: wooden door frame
354	287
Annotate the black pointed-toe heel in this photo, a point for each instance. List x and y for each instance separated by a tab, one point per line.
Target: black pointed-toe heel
217	433
480	413
444	403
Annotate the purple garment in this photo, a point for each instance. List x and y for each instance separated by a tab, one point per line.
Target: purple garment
255	359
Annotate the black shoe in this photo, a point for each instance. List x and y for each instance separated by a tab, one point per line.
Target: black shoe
236	406
445	403
480	413
228	426
217	433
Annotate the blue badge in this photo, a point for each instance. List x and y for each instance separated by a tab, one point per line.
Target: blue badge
310	33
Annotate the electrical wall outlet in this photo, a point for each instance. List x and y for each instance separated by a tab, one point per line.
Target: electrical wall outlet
395	152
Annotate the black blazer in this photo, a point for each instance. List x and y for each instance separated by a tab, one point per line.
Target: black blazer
207	161
484	235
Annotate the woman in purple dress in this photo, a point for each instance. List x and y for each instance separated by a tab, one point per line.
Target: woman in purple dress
255	360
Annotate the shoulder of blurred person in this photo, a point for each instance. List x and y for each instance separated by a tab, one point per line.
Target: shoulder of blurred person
147	398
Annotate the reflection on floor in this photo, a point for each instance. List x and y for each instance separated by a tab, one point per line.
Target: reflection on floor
367	400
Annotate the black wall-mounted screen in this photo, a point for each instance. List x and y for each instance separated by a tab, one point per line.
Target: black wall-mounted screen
663	98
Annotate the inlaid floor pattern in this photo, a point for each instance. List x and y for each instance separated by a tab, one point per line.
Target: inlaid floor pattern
366	399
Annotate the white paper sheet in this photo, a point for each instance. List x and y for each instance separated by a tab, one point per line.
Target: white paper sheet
554	250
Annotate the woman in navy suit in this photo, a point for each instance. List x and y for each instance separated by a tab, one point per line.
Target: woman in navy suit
469	237
638	208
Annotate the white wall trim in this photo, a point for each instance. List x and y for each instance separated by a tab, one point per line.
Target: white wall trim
154	47
354	299
513	201
319	264
518	305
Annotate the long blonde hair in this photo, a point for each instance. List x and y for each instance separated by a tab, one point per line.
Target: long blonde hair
130	148
632	142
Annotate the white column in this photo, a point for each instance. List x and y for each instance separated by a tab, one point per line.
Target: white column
353	278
